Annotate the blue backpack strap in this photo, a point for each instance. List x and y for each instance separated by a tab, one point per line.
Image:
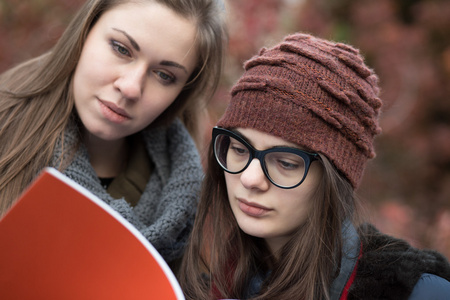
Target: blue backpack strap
350	253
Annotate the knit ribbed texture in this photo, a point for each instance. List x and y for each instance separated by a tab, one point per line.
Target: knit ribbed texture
165	212
312	92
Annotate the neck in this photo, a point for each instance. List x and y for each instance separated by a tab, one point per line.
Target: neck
108	158
275	244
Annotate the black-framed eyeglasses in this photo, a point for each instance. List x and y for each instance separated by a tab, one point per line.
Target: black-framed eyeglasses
285	167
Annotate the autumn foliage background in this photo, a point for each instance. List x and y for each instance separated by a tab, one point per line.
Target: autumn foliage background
407	187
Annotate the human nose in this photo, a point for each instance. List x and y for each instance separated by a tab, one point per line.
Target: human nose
253	176
131	82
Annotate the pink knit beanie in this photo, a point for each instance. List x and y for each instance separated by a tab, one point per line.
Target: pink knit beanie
312	92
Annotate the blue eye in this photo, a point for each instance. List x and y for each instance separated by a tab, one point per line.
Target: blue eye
166	78
119	48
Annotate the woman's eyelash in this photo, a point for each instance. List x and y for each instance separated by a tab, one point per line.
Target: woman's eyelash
167	78
119	48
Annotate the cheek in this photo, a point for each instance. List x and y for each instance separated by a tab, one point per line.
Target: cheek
94	64
78	85
92	72
150	108
82	77
230	181
154	105
297	205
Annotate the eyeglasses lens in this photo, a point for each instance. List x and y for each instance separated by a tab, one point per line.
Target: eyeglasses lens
231	154
283	168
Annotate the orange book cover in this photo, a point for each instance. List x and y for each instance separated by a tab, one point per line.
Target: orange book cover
59	241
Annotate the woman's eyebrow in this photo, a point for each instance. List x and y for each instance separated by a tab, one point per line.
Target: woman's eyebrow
173	64
132	41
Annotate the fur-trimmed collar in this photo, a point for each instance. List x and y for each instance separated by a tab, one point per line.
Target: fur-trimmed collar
390	267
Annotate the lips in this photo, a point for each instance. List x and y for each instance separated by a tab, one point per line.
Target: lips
252	209
112	112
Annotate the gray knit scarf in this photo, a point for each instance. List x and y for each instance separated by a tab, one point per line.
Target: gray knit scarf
165	211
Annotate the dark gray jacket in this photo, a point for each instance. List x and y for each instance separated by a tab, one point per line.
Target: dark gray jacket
388	268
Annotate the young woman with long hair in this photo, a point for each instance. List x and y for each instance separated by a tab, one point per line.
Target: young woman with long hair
278	216
104	107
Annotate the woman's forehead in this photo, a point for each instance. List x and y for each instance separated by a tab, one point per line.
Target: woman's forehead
263	140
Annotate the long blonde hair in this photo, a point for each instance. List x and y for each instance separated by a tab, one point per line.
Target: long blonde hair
36	101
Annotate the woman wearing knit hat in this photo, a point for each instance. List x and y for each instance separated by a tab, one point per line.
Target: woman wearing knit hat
278	214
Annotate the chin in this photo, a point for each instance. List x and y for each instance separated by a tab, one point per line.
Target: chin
252	231
106	136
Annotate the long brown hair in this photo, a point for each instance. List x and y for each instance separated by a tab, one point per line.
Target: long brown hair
36	101
221	259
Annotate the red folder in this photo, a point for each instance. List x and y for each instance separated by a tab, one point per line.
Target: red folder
59	241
